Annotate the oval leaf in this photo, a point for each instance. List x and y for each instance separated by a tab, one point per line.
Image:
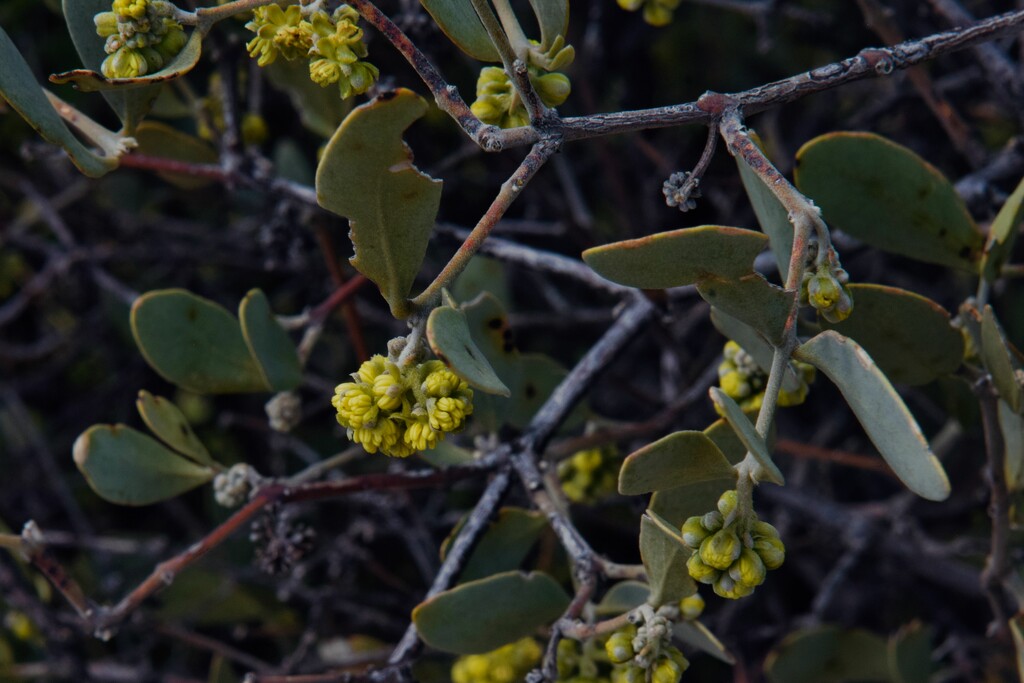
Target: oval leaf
129	105
664	558
696	635
160	140
999	355
127	467
622	597
483	615
677	459
19	87
460	23
194	343
268	343
771	215
88	80
366	174
450	340
910	654
1003	233
677	258
884	194
880	410
504	545
908	336
169	424
752	300
736	418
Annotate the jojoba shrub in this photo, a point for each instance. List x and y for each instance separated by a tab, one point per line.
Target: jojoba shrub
456	355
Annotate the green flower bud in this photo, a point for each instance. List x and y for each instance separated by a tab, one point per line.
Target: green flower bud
771	550
735	385
749	569
842	308
553	88
700	571
125	63
694	532
154	60
567	658
764	529
727	503
692	606
676	656
172	42
254	132
823	290
629	674
712	521
620	647
719	551
727	587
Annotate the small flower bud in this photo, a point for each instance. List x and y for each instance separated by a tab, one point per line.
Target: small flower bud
764	529
712	521
691	606
620	647
721	550
727	503
667	671
106	24
749	569
771	551
693	532
700	571
553	88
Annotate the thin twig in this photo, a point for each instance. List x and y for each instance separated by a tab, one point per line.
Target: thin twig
998	562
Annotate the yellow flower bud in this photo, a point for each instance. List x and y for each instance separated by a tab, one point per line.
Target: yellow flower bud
666	671
355	405
727	587
700	571
620	647
712	521
172	41
691	606
106	24
124	63
771	551
763	529
749	569
719	551
693	532
442	383
553	88
656	15
727	503
254	129
421	436
735	385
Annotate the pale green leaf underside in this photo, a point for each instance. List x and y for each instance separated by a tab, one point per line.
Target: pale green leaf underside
696	635
771	215
748	435
752	300
483	615
622	597
168	423
675	460
999	360
880	410
664	560
462	25
450	340
21	90
366	174
553	18
886	195
909	337
268	343
677	258
194	343
127	467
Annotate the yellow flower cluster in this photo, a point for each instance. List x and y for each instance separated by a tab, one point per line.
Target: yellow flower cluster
507	664
645	654
731	554
656	12
333	43
589	475
742	380
142	37
399	411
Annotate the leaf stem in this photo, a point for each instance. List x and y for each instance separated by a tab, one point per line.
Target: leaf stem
510	189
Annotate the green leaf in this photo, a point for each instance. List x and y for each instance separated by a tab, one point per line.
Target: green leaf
504	545
483	615
771	215
828	654
696	635
19	87
664	558
748	435
999	356
908	336
675	460
446	454
460	23
88	80
677	258
194	343
129	105
366	174
168	423
910	654
321	110
127	467
488	324
880	410
269	344
450	340
481	276
622	597
884	194
160	140
1012	427
1002	234
553	18
752	300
